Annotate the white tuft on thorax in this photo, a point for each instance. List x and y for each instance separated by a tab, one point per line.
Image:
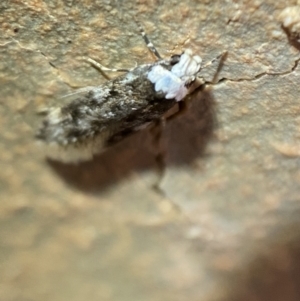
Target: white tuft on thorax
175	83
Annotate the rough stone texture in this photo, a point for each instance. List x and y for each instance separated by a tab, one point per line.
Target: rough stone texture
224	223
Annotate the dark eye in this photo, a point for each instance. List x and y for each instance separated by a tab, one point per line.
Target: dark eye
175	59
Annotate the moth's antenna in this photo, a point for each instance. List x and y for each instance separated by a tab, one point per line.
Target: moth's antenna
148	42
223	55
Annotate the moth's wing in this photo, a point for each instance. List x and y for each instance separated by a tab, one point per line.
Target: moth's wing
68	132
64	99
100	115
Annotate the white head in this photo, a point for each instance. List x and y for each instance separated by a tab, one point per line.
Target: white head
180	80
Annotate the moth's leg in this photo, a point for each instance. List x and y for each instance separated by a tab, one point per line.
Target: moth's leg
182	109
160	158
105	69
149	44
159	150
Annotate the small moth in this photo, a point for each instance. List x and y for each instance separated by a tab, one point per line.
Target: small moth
106	114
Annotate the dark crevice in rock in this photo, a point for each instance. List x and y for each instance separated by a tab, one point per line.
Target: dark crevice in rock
260	75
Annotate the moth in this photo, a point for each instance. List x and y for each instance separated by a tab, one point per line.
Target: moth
105	114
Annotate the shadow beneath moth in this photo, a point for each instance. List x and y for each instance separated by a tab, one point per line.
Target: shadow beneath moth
104	115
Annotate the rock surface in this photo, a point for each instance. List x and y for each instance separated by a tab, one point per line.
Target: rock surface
223	221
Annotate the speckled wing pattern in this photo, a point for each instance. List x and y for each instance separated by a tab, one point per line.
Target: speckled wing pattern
108	113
